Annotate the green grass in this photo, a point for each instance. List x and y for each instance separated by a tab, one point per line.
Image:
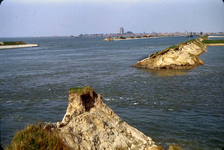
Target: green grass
35	138
14	43
213	41
205	37
80	90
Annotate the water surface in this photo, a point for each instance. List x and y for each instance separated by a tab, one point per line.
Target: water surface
183	107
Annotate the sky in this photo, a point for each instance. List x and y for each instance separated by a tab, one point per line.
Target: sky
30	18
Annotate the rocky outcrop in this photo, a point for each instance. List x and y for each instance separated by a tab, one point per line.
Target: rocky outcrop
109	39
91	125
181	56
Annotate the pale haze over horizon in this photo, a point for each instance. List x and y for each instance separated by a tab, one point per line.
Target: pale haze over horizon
30	18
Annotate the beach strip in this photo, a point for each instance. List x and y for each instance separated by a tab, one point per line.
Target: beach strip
18	46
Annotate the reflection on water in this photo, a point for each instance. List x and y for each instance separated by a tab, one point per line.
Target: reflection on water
165	72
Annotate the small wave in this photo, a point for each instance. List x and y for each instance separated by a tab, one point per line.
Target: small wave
18	101
107	99
136	103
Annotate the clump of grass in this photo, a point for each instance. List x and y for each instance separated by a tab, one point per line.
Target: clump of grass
174	147
159	147
80	90
34	137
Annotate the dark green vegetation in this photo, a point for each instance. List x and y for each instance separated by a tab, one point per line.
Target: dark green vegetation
34	137
80	90
13	43
213	41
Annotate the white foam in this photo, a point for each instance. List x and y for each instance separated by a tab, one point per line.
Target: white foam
107	99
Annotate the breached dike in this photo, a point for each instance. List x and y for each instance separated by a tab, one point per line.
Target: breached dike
119	38
89	124
18	46
181	56
15	44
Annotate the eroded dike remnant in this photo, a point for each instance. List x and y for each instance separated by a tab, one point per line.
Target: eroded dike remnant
15	44
181	56
90	124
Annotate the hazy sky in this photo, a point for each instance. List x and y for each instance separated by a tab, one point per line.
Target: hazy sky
19	18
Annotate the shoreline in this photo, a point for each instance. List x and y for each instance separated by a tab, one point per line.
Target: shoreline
215	44
18	46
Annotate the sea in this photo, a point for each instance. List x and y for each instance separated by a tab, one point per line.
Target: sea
173	107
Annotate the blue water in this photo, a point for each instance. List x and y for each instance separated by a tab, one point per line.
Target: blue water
183	107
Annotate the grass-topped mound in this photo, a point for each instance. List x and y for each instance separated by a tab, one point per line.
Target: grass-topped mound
80	90
34	137
13	43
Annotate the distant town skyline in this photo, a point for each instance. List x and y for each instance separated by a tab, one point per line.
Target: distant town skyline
27	18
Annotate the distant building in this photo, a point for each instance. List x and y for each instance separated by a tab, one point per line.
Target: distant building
201	33
129	32
121	30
